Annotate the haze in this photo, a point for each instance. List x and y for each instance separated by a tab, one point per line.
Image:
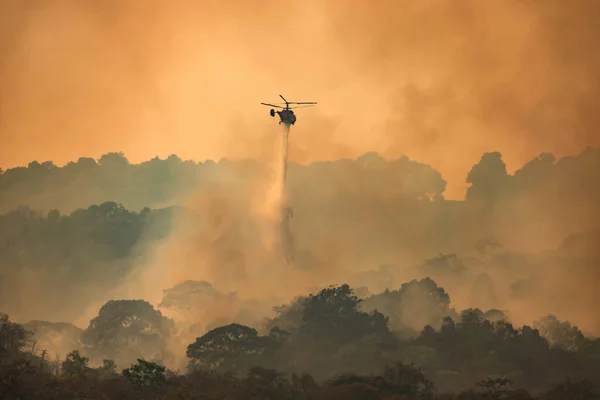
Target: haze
439	81
448	177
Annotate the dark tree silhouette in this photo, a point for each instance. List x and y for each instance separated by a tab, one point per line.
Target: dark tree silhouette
125	330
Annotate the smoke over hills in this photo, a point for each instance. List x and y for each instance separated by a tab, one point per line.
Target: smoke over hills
437	81
449	175
511	244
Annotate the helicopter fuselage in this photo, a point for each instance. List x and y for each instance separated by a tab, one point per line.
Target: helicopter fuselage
286	117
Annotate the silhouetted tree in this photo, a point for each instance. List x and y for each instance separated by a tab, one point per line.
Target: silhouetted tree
229	347
560	334
14	338
75	364
489	180
145	373
414	305
126	329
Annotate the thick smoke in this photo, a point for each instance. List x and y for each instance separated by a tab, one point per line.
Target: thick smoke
430	80
441	82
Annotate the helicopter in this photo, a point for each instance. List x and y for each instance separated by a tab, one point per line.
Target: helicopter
286	115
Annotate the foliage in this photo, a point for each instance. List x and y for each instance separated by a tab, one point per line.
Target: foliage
334	315
75	364
13	338
414	305
288	316
483	354
476	347
74	255
59	254
560	334
145	374
400	380
79	250
55	337
189	294
125	330
231	346
14	376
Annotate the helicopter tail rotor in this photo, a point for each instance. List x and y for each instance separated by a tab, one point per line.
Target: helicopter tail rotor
272	112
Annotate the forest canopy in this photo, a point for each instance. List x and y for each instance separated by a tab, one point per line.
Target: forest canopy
432	295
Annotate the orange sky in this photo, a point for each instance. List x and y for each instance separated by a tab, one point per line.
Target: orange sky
438	80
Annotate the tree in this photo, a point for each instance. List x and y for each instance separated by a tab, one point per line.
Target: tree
535	176
495	389
414	305
125	330
13	376
396	381
82	165
56	337
409	379
229	347
196	300
288	316
145	374
560	334
189	294
14	338
489	180
336	335
113	160
333	316
75	364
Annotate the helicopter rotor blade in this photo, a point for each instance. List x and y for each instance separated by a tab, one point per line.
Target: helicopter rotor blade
271	105
286	102
303	106
303	102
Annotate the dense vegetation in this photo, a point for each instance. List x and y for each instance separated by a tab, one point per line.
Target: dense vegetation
332	349
89	249
540	204
375	214
375	222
